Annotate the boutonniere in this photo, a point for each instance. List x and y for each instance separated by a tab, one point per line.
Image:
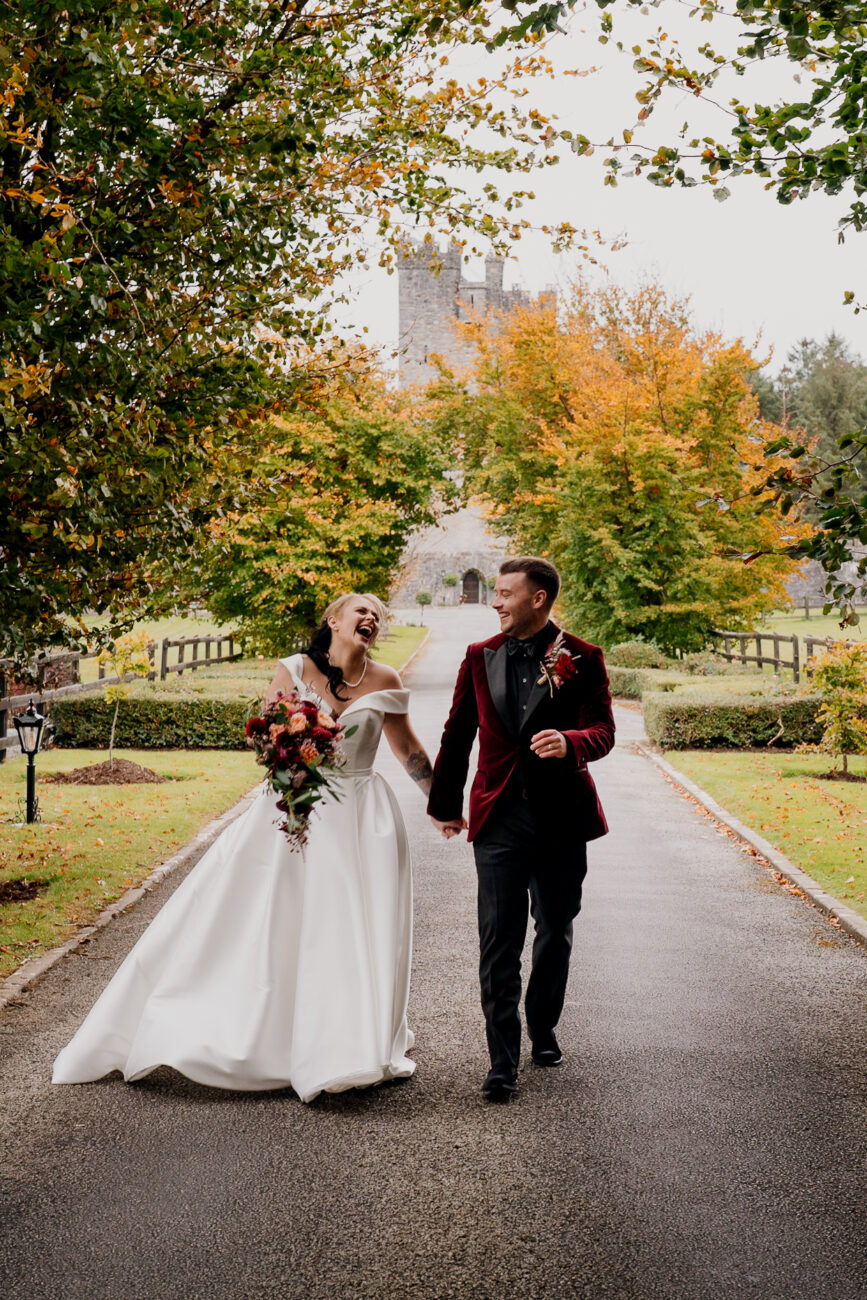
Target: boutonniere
558	665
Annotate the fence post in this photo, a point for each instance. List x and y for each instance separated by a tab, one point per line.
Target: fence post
164	659
759	660
742	641
796	659
181	644
152	650
195	662
4	716
208	641
777	664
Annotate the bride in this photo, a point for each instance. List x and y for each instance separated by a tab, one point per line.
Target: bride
270	966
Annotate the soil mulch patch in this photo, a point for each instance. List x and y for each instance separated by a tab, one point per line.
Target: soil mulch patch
123	773
19	891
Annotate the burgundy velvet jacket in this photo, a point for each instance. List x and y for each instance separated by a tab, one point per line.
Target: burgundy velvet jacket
560	791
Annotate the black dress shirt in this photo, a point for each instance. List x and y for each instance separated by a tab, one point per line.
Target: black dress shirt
525	658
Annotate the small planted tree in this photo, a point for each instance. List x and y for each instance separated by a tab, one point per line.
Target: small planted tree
128	655
840	674
423	598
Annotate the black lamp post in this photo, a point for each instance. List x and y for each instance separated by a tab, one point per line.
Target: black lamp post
29	727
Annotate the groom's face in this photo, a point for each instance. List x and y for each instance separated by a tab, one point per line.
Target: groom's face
522	608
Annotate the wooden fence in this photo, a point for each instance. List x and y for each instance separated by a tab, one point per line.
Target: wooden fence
182	643
750	650
17	702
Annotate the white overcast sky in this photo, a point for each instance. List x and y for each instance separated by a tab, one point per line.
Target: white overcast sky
752	268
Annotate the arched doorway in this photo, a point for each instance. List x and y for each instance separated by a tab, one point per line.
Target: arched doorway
472	588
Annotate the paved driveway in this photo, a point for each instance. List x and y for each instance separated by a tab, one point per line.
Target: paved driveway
705	1139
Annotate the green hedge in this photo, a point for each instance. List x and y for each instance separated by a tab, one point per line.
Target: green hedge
150	722
684	721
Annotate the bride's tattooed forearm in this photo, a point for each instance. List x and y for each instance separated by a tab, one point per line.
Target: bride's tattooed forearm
419	768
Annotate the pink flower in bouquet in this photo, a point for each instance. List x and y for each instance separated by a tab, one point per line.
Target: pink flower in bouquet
297	722
326	720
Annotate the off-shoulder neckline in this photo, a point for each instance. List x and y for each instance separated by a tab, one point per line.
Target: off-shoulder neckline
384	690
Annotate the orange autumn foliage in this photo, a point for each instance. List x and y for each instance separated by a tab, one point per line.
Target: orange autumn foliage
612	437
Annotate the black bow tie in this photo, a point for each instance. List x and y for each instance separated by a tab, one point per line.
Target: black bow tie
523	649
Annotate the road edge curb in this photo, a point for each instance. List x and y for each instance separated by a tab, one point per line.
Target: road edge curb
848	919
32	971
415	654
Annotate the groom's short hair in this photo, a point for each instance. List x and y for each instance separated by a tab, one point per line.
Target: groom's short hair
541	573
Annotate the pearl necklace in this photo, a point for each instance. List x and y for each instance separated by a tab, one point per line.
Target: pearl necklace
352	685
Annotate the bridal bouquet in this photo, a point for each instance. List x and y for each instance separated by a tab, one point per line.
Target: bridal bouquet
300	747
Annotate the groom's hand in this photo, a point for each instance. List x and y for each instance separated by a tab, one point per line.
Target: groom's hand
448	829
549	744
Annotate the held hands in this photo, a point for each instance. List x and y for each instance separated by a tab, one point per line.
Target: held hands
453	827
549	744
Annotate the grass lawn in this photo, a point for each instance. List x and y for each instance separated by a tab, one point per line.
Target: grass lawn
791	622
95	842
820	825
399	643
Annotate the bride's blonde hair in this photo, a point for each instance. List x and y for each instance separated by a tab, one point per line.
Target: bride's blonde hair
382	611
320	642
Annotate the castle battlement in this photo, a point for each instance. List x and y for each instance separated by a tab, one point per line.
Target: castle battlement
429	306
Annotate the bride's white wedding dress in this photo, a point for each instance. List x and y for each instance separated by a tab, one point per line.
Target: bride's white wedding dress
270	967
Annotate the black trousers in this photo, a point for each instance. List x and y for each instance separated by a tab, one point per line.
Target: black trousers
518	873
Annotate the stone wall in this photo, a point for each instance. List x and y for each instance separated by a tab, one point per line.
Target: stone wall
810	583
461	544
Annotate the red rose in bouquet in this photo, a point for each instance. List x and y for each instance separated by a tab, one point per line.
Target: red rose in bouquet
300	746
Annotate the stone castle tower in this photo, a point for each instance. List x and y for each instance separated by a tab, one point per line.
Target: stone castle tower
429	305
457	560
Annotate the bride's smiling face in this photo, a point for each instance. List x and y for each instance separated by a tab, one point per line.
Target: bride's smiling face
356	624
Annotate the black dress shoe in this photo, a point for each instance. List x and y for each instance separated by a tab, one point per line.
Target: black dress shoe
546	1051
499	1087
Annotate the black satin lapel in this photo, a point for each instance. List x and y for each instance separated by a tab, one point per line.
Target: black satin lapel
495	667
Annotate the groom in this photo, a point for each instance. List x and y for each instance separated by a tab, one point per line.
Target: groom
540	702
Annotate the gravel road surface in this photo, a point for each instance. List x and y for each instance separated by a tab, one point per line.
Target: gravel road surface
704	1140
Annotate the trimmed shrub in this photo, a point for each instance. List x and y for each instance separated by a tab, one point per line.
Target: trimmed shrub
636	654
687	721
704	663
631	683
150	722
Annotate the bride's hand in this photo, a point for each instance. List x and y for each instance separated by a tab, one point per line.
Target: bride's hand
453	827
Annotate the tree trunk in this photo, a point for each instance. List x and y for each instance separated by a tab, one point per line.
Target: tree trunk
111	737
